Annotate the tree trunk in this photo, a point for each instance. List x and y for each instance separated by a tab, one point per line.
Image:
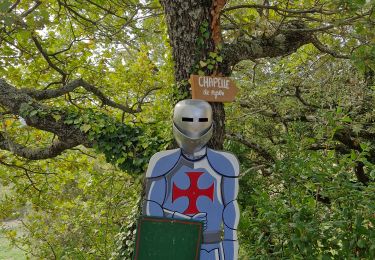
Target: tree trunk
185	19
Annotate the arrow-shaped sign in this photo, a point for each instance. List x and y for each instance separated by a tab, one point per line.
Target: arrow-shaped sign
213	89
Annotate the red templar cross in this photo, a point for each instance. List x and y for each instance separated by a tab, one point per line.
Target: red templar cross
192	192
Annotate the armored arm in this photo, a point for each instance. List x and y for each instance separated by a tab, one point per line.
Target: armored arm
155	188
155	197
230	218
202	217
156	184
226	164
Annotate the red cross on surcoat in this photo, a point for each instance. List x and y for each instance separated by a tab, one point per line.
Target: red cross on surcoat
192	192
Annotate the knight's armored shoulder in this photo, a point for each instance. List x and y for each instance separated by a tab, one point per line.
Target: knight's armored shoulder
224	163
162	162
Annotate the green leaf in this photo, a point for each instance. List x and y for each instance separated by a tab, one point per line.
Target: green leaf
212	54
202	63
205	23
372	174
56	117
346	119
85	128
200	41
361	243
33	113
4	5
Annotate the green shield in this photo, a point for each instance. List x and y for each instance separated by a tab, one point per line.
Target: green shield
167	239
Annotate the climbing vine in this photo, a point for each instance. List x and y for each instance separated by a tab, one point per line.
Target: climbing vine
128	146
209	64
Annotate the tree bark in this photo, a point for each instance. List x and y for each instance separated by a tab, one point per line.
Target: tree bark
184	19
20	103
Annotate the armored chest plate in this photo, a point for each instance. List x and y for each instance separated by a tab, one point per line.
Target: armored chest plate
194	187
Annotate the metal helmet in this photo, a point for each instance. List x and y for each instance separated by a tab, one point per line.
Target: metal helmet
192	124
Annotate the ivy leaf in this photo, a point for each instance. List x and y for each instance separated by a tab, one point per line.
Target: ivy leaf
205	24
85	128
203	64
56	117
213	54
33	113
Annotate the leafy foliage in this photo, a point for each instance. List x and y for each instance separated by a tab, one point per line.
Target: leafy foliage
108	136
302	127
71	207
310	203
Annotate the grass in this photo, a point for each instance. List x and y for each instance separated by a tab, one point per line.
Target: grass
7	252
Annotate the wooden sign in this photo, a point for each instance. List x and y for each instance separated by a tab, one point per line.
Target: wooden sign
213	89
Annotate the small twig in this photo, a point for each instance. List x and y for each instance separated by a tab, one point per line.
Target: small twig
32	183
320	46
256	147
276	8
89	155
14	6
46	57
26	13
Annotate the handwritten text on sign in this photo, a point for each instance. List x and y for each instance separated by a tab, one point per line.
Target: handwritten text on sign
213	89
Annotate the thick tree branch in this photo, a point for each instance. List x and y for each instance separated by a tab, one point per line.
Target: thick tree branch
277	116
341	148
360	173
16	101
352	140
261	47
331	24
71	86
287	39
55	149
23	101
345	136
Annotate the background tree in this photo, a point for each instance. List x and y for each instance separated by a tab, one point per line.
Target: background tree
97	74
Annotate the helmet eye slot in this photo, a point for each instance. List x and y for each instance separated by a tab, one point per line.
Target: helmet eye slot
204	119
187	119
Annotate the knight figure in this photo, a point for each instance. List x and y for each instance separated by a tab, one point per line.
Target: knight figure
196	182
